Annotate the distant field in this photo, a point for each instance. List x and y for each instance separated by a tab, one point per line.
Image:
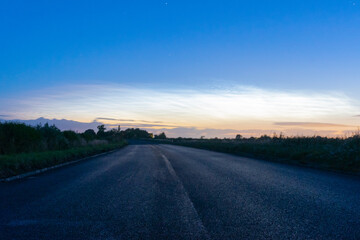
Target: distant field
341	154
15	164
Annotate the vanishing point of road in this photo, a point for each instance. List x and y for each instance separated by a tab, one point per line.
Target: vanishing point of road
147	191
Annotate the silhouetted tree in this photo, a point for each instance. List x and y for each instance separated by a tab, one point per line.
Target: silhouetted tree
238	137
89	135
101	130
52	137
71	136
160	136
135	133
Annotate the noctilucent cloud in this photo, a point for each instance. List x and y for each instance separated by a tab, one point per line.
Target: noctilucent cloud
213	68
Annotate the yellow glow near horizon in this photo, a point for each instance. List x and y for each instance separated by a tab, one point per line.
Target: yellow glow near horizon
239	109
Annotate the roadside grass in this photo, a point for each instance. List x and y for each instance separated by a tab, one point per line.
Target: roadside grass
340	154
15	164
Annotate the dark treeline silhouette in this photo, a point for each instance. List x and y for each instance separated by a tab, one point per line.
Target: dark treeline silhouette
136	133
22	138
160	136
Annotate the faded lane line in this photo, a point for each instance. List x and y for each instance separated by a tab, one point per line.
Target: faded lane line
186	196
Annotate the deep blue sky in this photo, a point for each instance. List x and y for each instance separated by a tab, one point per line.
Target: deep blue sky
281	61
272	44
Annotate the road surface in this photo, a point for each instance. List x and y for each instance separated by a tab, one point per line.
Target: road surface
171	192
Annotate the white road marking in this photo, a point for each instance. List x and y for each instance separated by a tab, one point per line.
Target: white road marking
187	199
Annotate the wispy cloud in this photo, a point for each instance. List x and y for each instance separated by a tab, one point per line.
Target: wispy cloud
311	124
238	108
140	125
126	120
114	119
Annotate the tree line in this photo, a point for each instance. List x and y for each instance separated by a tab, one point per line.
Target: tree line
19	137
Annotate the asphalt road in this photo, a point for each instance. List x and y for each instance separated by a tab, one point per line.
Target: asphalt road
172	192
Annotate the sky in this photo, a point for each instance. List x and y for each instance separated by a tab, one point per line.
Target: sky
189	68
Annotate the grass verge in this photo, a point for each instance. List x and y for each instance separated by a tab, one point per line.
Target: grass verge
15	164
316	152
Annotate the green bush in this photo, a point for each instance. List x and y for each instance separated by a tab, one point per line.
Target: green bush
21	138
25	148
18	137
